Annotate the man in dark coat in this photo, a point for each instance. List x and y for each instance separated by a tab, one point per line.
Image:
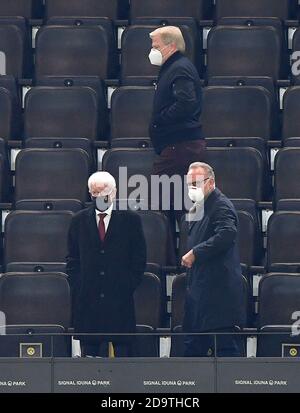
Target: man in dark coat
105	263
215	295
175	127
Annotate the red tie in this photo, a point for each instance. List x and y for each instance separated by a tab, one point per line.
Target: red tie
101	226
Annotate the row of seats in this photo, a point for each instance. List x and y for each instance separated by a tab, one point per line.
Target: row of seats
22	300
64	48
37	241
250	110
50	174
283	9
23	297
55	173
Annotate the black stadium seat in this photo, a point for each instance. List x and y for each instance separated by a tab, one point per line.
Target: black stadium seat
92	82
278	310
179	286
160	250
147	300
36	241
261	22
52	112
35	304
74	51
10	116
244	51
29	9
86	8
283	253
265	82
239	172
287	169
237	111
136	68
291	107
131	110
283	9
103	22
14	42
47	177
198	9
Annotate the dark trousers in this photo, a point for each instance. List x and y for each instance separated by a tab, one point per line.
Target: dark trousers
204	346
175	160
102	349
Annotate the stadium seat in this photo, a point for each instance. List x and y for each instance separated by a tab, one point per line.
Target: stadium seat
29	9
160	250
84	8
265	82
262	22
131	110
283	253
74	51
102	22
52	178
283	9
52	112
244	51
10	115
284	290
239	172
198	9
5	180
287	169
35	304
179	286
92	82
236	111
291	107
136	68
36	241
133	162
147	299
14	43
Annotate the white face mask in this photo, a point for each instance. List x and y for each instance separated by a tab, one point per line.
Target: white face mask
196	194
156	57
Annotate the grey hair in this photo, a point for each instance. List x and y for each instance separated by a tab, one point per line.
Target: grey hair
170	34
102	177
208	169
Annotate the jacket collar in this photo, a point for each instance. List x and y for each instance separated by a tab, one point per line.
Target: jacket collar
175	56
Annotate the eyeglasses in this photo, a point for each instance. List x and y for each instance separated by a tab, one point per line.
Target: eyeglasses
196	184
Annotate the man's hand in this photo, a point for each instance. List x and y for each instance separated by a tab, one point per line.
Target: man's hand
188	259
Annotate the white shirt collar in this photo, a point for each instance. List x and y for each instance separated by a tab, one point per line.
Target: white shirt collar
108	212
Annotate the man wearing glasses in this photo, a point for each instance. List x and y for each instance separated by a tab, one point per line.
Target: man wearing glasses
214	298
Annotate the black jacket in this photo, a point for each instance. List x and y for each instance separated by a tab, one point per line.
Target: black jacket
177	104
103	277
215	295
